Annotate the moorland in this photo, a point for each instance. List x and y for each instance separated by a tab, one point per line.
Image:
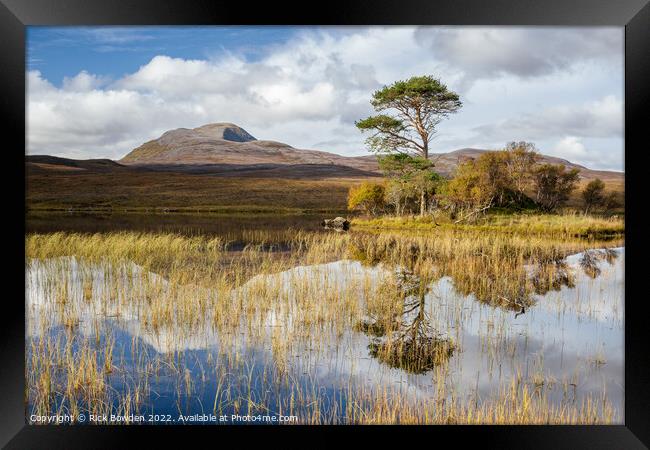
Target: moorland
192	276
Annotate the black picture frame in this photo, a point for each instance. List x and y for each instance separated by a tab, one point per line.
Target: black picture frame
634	15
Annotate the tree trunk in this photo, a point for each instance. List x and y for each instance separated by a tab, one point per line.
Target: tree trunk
422	203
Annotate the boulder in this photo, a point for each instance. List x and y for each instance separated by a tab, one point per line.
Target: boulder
339	223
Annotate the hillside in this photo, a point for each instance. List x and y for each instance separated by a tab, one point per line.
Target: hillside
39	163
225	143
220	166
446	163
226	149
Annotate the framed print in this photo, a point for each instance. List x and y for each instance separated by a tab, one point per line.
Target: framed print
375	218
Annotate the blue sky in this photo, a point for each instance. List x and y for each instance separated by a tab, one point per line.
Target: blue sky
115	51
102	91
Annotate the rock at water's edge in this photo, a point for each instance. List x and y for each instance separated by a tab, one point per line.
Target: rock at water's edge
338	223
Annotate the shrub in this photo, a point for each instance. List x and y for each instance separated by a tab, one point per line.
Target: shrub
367	197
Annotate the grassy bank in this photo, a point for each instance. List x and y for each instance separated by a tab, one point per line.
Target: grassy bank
550	225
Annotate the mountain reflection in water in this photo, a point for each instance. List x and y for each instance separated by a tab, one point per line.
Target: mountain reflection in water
571	329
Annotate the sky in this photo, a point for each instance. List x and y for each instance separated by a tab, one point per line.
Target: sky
99	92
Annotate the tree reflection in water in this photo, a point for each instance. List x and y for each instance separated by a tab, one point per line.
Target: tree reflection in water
404	338
590	260
400	328
551	276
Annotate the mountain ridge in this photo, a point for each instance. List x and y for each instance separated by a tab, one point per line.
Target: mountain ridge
224	143
225	149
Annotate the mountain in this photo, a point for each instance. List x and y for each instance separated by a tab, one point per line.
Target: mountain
226	143
227	149
225	131
219	166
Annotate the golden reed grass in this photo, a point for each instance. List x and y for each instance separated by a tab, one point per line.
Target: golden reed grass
207	289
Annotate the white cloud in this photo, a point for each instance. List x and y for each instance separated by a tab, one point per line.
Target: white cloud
575	149
83	82
515	83
600	118
526	52
570	148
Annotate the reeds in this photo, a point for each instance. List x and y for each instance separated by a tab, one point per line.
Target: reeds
547	225
199	292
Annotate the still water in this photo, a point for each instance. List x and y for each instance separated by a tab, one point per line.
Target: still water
568	345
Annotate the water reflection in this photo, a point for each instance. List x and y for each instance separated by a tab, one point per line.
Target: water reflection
566	335
591	258
551	276
405	339
185	223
